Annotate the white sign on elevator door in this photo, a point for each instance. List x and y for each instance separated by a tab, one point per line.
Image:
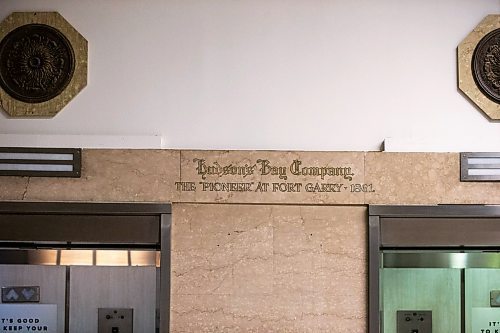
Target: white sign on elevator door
28	318
485	320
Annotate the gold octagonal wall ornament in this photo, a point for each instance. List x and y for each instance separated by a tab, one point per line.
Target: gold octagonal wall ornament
43	64
479	66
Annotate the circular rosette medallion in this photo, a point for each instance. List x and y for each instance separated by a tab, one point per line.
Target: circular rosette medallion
486	65
37	63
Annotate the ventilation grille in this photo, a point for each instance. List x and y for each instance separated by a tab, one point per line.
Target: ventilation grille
480	167
40	162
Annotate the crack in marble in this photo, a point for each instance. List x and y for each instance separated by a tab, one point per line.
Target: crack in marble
261	317
297	253
221	283
317	271
335	315
25	193
195	310
139	173
222	267
344	254
338	271
113	161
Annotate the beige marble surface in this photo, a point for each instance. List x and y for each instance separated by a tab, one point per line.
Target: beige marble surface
410	178
457	192
256	268
424	178
13	188
283	187
465	53
114	176
151	175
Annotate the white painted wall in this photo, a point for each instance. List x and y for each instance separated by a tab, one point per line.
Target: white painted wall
269	74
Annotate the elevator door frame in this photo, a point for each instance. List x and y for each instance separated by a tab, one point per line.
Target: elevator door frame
158	236
386	230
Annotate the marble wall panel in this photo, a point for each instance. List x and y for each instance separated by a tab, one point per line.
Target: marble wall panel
203	172
114	175
472	193
457	192
409	178
201	313
263	268
166	175
13	188
424	178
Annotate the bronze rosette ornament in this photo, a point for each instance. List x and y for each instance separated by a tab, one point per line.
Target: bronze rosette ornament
479	66
43	64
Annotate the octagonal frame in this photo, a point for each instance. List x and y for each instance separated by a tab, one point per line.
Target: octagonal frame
466	82
47	109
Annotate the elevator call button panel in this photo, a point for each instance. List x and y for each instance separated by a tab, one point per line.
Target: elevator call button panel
115	320
414	321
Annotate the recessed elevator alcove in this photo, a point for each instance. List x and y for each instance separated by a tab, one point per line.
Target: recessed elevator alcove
434	269
93	267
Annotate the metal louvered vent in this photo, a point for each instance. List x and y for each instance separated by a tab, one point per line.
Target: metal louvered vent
40	162
479	167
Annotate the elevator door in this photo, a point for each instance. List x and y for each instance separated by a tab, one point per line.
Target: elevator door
97	287
50	279
434	269
482	311
462	293
95	268
432	289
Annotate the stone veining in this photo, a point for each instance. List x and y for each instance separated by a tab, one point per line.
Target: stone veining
241	268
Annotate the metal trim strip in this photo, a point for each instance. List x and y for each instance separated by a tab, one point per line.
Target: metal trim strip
165	264
84	208
459	260
373	274
436	211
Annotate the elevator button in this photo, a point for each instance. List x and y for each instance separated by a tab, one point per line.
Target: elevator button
414	321
21	294
115	320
